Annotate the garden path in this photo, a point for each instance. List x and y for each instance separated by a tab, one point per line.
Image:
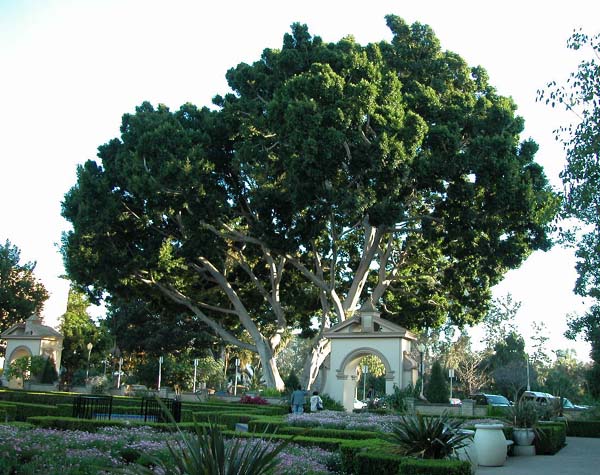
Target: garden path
581	456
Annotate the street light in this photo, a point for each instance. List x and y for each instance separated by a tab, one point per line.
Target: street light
89	347
160	362
237	363
528	385
365	371
195	372
421	349
451	375
119	373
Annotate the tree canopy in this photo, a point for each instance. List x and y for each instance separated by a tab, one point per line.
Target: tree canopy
581	177
21	293
332	173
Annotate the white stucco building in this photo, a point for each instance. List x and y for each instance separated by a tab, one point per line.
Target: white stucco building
366	334
32	338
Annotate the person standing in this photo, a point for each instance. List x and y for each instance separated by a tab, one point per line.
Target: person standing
297	401
316	403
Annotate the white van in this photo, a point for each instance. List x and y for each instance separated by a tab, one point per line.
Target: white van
543	399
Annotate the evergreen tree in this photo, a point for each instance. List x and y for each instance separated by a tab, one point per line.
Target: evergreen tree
437	390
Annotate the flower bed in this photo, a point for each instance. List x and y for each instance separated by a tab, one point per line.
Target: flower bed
341	420
26	450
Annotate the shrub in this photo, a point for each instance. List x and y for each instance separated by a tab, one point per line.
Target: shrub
331	404
291	382
437	390
583	428
551	437
253	400
410	466
206	452
523	414
428	437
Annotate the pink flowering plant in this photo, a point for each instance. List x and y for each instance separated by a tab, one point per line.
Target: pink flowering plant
27	450
344	420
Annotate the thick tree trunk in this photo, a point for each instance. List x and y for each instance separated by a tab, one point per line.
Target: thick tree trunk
319	351
269	365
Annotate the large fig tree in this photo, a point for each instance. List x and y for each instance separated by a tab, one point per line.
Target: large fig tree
332	174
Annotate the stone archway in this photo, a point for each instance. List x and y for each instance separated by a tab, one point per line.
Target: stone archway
366	334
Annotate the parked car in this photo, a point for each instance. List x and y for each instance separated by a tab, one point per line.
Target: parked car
454	401
486	399
543	399
567	404
359	404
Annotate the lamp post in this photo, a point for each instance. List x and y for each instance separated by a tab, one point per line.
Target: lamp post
119	373
237	363
528	385
365	370
451	375
89	347
421	349
195	372
160	362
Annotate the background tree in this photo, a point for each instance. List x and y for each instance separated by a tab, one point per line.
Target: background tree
78	330
566	377
437	390
581	177
470	367
499	321
21	293
333	174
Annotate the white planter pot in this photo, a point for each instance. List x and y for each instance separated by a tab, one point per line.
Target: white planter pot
523	436
490	444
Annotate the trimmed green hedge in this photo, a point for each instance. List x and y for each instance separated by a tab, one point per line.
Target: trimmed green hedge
551	438
8	412
346	434
92	425
410	466
266	423
267	409
379	462
583	428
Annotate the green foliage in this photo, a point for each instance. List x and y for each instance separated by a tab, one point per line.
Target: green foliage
437	390
550	438
581	95
428	437
523	414
49	373
19	368
207	453
291	382
79	330
254	194
21	293
577	428
331	404
434	467
397	400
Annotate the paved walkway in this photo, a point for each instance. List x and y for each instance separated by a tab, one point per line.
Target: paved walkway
581	456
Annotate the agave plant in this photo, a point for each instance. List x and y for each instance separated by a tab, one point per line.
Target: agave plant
429	437
206	452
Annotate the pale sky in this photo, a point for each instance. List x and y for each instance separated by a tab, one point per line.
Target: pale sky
70	69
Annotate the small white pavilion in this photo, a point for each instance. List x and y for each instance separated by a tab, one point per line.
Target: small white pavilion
364	334
31	338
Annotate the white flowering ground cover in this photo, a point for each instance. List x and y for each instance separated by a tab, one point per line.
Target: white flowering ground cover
343	420
29	451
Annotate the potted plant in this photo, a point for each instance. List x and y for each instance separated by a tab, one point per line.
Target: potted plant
524	417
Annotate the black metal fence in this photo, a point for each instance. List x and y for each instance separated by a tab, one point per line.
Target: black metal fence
154	411
92	407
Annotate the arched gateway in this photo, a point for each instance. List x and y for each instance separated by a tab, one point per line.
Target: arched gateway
366	334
